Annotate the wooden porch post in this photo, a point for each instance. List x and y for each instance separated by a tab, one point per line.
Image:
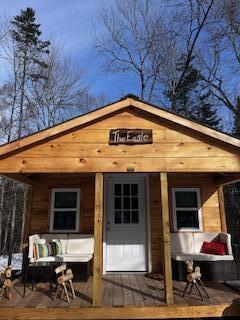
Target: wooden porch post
222	209
98	231
167	265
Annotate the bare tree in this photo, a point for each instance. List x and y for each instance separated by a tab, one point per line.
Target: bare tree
41	90
57	96
220	61
148	38
190	19
134	32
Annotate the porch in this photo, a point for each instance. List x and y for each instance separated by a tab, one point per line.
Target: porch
124	296
158	225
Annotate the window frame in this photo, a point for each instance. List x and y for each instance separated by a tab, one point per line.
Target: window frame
53	192
198	208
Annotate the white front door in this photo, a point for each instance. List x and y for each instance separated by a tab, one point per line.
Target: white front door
126	224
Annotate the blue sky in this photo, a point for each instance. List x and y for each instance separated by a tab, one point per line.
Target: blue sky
70	22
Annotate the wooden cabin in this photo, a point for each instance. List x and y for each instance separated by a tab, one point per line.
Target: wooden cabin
122	167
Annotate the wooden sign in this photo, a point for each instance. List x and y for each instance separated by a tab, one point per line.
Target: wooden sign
130	136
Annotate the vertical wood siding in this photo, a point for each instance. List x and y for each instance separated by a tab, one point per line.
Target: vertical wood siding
39	218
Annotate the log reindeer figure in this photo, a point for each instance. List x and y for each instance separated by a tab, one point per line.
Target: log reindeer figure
6	283
64	276
194	280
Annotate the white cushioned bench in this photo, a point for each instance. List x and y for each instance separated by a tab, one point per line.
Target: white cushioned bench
77	252
187	246
75	247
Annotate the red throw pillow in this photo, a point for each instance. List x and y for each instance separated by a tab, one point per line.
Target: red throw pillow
213	248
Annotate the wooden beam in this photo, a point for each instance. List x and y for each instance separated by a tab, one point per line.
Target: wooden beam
117	164
227	179
163	312
167	265
98	231
20	178
222	209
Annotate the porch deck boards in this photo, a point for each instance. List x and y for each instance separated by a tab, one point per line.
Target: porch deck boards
119	291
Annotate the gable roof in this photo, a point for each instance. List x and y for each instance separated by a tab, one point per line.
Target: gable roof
128	101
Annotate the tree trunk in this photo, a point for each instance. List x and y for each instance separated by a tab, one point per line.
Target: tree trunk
1	211
13	218
25	199
6	227
22	93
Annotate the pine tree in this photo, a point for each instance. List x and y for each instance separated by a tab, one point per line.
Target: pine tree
182	99
29	62
205	113
187	101
30	52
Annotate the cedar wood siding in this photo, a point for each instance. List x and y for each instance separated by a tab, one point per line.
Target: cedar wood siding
87	149
174	149
41	200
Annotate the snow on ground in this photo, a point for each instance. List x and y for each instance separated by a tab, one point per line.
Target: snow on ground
16	261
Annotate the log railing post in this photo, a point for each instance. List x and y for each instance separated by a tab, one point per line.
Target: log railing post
98	231
167	265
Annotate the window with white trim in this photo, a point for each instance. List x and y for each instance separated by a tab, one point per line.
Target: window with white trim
187	214
65	210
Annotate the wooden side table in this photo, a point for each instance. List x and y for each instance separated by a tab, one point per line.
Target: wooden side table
44	269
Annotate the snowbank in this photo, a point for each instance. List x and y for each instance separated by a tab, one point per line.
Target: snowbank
16	261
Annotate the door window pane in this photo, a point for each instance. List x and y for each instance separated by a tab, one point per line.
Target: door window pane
134	189
118	203
117	190
126	189
126	203
134	203
135	217
118	217
126	217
